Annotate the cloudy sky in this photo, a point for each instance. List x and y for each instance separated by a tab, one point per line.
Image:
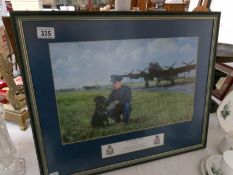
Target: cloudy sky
78	64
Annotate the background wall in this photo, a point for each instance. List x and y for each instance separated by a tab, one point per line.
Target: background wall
226	24
3	11
27	4
225	6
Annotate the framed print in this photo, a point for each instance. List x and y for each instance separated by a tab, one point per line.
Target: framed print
108	90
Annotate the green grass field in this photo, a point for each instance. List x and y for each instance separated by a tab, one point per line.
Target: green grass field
149	109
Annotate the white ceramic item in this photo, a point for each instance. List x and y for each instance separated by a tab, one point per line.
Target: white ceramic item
213	164
227	163
227	142
203	166
225	113
122	5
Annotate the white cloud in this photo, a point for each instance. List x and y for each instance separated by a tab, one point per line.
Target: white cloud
93	62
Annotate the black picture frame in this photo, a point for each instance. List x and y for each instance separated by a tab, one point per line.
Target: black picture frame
86	156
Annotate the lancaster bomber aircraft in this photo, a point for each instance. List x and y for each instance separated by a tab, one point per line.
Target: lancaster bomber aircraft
154	70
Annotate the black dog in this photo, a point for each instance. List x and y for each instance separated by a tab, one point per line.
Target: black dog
100	118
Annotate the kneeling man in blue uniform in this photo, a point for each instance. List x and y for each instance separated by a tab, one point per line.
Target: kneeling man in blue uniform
119	101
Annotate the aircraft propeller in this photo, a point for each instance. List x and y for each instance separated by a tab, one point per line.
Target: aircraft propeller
130	72
170	67
142	71
188	64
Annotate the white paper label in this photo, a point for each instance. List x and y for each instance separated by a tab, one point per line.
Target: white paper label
128	146
45	33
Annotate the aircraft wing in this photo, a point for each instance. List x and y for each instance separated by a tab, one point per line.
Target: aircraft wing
134	75
160	73
182	69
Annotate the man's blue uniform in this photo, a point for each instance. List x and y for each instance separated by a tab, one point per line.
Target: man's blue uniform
123	96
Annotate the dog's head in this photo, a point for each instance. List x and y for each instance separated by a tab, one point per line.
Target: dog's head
100	102
100	99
